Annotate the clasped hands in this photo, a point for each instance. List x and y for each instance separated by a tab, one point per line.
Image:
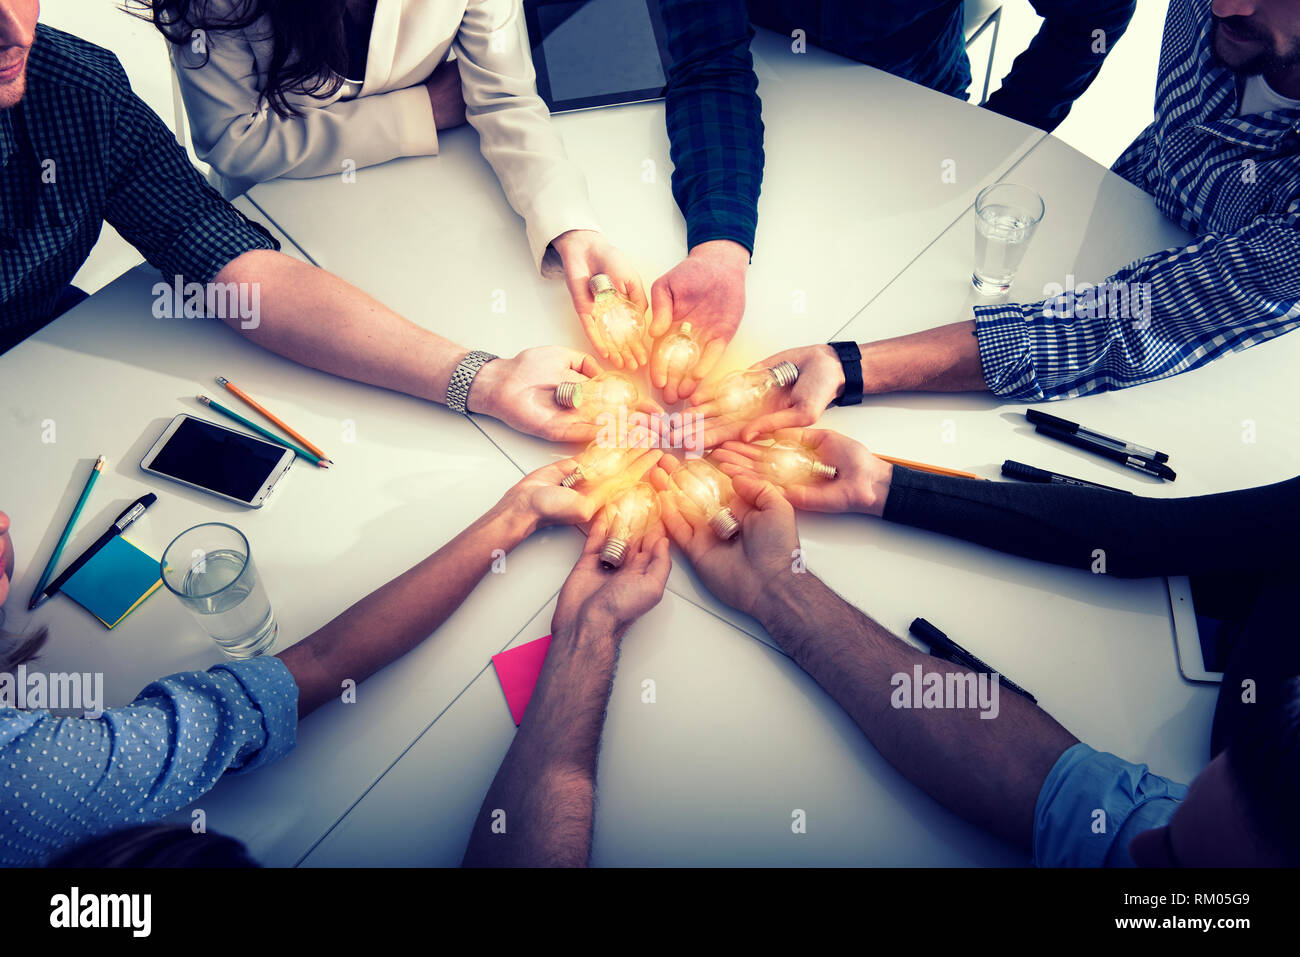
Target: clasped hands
756	569
705	290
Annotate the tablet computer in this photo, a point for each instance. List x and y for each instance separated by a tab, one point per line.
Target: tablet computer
1209	614
591	53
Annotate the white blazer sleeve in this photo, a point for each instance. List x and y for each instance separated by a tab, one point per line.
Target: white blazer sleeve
514	125
245	139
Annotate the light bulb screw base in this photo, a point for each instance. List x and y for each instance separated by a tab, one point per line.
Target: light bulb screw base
572	479
724	524
784	373
613	553
600	283
822	470
568	395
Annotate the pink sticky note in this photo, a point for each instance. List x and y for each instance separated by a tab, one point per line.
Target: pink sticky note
518	670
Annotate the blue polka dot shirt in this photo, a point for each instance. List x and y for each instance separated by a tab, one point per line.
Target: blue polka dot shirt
63	780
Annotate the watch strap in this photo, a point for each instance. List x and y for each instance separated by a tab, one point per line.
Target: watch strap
462	377
850	356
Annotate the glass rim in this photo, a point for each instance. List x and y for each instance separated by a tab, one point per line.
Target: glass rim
162	562
1042	206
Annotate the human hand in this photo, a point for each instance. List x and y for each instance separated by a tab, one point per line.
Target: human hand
445	96
821	379
739	571
596	597
861	485
521	393
706	289
585	253
541	498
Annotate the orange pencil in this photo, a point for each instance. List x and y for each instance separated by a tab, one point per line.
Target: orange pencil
922	467
231	387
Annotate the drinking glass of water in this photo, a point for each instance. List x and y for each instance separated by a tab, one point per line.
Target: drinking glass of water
210	569
1006	216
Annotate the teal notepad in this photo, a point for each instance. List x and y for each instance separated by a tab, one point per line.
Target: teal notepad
112	584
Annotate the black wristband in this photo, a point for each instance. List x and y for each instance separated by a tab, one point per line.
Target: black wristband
850	356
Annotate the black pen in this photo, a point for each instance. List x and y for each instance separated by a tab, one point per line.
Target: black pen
951	651
1030	473
1157	469
1065	425
123	521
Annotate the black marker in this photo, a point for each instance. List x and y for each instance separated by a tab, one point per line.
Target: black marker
132	512
1029	473
1157	469
951	651
1065	425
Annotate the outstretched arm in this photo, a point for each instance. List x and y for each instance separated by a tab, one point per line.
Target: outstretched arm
987	769
546	786
392	620
1239	532
315	318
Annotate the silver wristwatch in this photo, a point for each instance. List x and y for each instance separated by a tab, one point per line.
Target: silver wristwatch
463	377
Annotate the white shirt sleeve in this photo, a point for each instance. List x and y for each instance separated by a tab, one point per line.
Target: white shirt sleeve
236	131
514	125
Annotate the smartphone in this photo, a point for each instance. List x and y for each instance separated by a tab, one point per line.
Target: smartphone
232	465
1209	615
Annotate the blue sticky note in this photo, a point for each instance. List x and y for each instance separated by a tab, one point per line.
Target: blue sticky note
111	584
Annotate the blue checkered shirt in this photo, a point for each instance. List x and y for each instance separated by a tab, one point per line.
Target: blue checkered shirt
1233	181
80	149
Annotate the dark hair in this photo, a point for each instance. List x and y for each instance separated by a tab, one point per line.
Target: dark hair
156	845
307	45
1265	758
17	649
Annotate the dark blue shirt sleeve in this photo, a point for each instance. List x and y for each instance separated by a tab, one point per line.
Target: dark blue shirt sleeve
1062	60
715	124
161	204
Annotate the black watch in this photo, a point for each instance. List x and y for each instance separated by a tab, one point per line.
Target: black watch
850	356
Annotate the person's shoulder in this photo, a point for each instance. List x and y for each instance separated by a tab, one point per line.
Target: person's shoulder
15	723
60	60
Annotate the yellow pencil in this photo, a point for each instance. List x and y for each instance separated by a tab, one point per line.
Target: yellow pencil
922	467
231	387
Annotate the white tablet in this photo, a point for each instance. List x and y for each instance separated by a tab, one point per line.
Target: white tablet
1208	616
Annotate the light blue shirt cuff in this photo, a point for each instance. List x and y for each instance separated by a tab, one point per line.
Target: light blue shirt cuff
272	690
1091	806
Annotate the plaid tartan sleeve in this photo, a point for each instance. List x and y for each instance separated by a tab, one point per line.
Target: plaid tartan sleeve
714	119
163	207
1168	313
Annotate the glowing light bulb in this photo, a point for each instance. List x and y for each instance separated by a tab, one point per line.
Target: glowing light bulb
617	315
787	463
680	351
742	392
705	492
607	390
597	463
630	511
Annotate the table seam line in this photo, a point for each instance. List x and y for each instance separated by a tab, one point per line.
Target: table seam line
370	787
943	232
